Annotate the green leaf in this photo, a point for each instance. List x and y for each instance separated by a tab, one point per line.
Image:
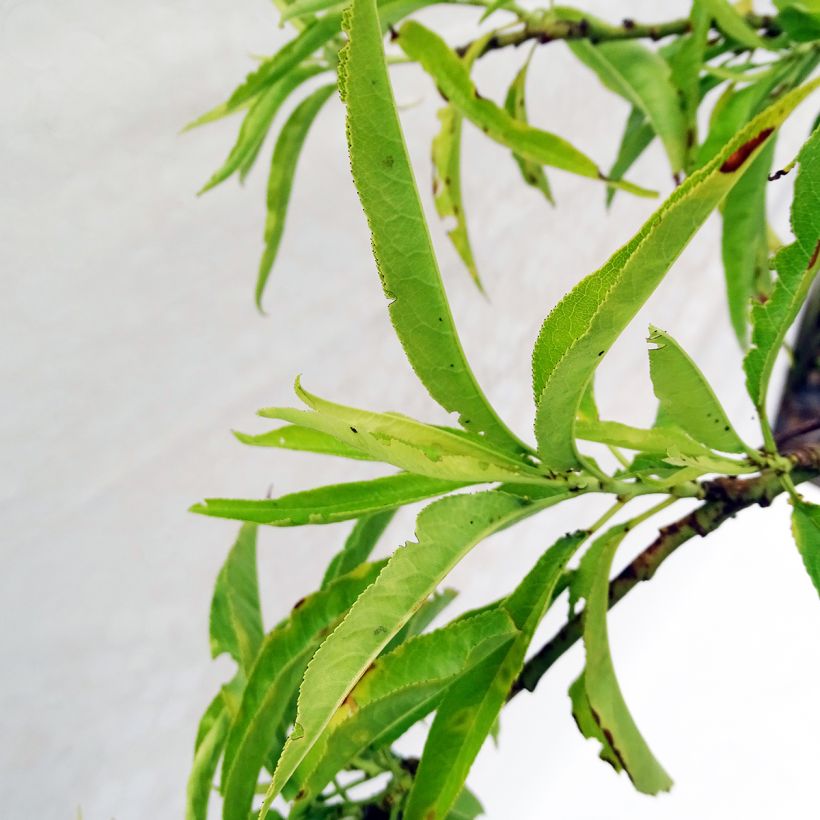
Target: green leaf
326	505
206	759
281	64
644	79
358	545
606	702
283	167
423	617
257	122
637	136
797	266
266	709
293	437
806	530
744	245
236	619
446	531
800	19
472	705
584	325
587	725
397	691
653	440
516	106
452	78
409	444
686	398
732	23
467	807
401	242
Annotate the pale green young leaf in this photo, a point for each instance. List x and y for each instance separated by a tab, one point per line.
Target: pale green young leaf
236	618
398	690
653	440
806	530
280	181
584	325
409	444
401	241
606	701
643	78
587	725
686	398
266	709
471	706
744	243
294	437
257	122
450	75
332	503
638	135
358	545
732	23
797	265
515	105
446	531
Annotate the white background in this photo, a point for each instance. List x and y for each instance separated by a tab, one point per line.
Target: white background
131	346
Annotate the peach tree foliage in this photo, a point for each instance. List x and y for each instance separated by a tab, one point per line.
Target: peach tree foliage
306	726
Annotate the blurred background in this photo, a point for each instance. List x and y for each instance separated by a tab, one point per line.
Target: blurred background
131	347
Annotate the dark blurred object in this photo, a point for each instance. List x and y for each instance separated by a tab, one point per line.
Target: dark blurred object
798	418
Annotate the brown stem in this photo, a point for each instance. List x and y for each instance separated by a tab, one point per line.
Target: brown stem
548	30
725	497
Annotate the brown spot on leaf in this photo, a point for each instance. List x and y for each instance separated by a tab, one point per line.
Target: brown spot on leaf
743	153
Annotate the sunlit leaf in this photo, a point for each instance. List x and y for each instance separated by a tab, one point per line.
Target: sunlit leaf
583	326
293	437
652	440
283	167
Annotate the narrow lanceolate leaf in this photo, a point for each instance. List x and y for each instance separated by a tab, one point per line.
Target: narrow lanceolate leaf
327	505
585	324
606	701
653	440
637	136
293	437
312	38
446	531
206	758
472	705
358	545
423	617
257	122
643	78
446	155
587	725
409	444
744	245
797	266
452	78
267	705
398	690
236	619
686	398
732	23
806	529
516	106
401	241
283	167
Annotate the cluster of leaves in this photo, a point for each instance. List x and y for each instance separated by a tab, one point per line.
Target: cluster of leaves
318	701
